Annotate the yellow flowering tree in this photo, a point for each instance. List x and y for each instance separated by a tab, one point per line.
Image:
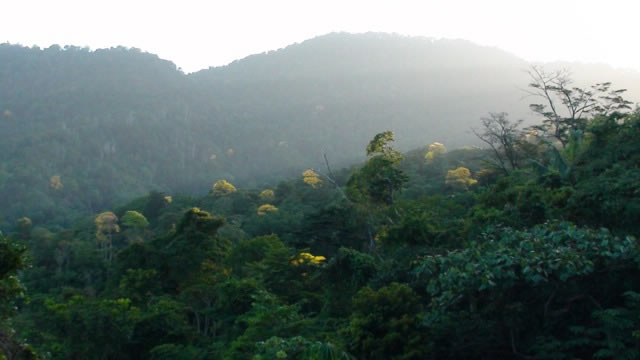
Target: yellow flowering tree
267	194
223	187
106	225
307	258
434	150
266	208
311	178
460	177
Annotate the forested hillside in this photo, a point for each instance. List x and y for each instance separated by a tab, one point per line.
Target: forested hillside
82	131
527	249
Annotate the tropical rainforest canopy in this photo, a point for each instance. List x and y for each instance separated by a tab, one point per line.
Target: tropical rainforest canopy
525	246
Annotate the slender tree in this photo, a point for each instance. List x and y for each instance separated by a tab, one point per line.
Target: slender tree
502	135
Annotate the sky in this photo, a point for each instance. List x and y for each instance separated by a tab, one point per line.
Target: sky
198	34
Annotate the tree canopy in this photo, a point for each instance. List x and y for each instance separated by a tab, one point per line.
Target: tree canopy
526	249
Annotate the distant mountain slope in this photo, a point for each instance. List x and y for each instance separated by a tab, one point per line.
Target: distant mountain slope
358	84
115	123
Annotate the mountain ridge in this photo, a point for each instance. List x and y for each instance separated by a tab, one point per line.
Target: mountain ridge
116	123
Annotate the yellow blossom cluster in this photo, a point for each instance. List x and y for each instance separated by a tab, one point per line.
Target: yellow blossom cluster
305	257
434	150
223	187
311	178
266	208
460	177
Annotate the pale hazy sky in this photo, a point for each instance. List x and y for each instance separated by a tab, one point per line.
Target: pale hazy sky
198	34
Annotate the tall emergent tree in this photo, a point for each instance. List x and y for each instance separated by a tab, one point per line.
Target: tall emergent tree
566	108
135	223
380	178
106	225
375	185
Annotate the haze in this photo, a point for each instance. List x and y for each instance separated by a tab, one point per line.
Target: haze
198	34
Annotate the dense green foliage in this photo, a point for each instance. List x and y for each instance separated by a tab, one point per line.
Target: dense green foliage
387	260
527	249
12	260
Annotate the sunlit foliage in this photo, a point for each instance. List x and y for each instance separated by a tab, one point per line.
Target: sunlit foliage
305	257
382	145
134	219
380	178
433	151
223	187
266	208
460	177
107	222
311	178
